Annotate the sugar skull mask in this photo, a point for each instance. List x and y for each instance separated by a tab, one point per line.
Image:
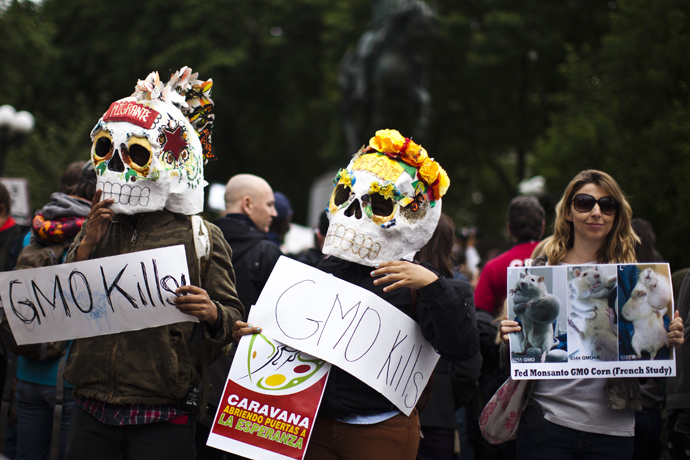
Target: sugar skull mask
149	149
386	204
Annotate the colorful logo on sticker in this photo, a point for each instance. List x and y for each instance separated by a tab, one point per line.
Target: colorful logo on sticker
274	368
131	112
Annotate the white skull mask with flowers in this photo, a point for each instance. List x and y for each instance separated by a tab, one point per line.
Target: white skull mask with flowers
149	149
386	205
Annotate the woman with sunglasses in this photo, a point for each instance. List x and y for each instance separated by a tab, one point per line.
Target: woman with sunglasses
585	418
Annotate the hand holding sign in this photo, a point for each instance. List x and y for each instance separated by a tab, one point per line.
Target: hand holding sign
403	274
96	224
240	329
195	301
675	331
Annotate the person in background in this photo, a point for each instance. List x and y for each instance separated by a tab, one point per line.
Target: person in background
525	225
312	255
644	249
250	210
10	245
453	383
10	232
280	224
54	227
678	387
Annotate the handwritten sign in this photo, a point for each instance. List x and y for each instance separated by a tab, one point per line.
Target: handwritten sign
347	326
270	401
591	321
95	297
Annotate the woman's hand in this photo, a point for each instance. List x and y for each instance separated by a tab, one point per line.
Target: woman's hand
240	329
507	327
195	301
403	274
675	331
97	221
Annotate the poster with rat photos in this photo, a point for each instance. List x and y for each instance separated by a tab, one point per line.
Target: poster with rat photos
591	321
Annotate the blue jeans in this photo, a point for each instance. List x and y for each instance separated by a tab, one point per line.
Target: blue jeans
539	439
35	404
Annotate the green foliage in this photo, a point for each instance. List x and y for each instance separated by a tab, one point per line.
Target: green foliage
518	88
626	111
495	69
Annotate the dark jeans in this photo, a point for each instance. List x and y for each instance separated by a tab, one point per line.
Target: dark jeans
90	439
437	444
678	426
647	434
539	439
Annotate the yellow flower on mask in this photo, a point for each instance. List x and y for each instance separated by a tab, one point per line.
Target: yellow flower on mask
387	141
429	171
443	184
387	190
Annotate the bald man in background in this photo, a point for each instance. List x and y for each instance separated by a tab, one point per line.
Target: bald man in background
250	208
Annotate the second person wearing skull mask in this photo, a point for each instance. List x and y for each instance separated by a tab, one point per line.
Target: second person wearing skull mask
384	208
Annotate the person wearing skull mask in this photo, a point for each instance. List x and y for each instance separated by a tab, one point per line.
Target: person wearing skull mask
383	209
139	392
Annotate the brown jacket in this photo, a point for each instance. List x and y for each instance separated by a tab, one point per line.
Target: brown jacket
156	365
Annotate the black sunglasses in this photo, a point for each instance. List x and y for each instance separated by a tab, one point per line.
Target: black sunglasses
583	202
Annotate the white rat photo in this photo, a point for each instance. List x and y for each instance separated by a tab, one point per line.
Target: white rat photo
590	318
657	287
537	310
645	309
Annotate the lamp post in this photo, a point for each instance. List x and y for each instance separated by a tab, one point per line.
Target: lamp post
14	126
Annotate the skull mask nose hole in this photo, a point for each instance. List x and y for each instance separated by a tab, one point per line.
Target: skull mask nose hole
355	209
115	164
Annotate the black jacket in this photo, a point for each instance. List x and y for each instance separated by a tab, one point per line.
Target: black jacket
442	314
253	256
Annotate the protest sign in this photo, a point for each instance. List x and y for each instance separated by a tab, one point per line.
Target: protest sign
349	327
591	321
270	401
114	294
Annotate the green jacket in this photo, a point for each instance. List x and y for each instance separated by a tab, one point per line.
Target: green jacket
156	365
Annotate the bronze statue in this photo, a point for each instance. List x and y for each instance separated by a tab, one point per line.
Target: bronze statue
383	81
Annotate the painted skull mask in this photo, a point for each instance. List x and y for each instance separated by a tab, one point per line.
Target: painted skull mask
147	154
381	209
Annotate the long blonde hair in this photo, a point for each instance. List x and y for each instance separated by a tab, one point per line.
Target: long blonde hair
619	246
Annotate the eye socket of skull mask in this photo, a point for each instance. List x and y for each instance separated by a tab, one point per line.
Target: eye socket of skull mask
102	146
380	206
139	152
341	194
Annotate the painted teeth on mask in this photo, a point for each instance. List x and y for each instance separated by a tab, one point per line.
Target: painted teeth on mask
349	240
133	196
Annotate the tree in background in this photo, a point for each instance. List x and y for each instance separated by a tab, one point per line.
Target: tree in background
517	88
626	110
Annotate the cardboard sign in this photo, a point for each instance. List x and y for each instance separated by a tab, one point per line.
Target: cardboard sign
591	321
270	401
122	293
349	327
